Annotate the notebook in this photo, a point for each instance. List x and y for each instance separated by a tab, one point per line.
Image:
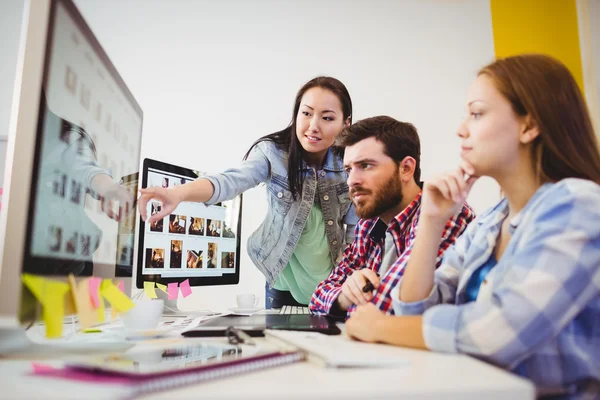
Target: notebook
341	351
149	369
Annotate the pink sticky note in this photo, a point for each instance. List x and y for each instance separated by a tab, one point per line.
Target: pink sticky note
94	290
186	290
41	368
172	291
121	286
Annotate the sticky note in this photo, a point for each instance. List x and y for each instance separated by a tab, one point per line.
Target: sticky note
149	290
51	294
172	291
70	308
41	368
83	302
114	311
162	287
54	311
186	290
100	313
35	284
94	283
115	297
92	330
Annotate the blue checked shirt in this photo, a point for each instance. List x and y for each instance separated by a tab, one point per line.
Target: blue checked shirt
541	315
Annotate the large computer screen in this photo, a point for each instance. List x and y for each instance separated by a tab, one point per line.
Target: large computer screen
196	241
72	161
87	156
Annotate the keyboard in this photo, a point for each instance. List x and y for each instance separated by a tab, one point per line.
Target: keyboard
294	310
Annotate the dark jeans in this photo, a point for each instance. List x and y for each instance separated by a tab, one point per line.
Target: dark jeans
278	298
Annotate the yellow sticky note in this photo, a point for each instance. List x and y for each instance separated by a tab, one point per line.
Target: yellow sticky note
70	308
83	302
35	284
113	310
100	313
149	289
115	297
51	294
54	303
162	287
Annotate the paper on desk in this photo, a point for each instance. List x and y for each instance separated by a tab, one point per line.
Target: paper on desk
185	288
172	290
149	290
186	325
340	351
115	297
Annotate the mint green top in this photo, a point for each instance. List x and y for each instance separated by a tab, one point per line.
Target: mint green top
311	261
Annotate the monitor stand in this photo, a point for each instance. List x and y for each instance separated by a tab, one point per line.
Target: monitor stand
172	310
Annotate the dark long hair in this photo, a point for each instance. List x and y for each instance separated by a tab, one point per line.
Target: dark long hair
542	87
287	140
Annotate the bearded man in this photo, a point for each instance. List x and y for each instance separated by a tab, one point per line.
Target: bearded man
382	160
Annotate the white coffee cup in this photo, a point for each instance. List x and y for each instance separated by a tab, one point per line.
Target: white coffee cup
145	315
247	301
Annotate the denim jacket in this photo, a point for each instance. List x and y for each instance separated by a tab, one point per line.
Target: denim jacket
271	246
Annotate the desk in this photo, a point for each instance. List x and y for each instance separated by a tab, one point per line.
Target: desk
430	376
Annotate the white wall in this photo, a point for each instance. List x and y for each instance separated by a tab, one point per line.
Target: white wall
213	76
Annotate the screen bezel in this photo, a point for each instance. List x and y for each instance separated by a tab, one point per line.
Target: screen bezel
225	279
44	265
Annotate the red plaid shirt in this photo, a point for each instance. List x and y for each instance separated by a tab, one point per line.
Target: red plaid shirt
366	251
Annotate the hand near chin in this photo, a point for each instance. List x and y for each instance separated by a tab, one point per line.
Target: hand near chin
444	195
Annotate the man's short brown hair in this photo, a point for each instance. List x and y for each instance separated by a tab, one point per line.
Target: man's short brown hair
400	139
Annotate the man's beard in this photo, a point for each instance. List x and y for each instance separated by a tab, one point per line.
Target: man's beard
386	196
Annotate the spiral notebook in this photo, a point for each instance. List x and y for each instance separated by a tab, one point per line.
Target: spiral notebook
147	370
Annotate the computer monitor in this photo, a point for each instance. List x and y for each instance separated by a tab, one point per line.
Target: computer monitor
72	160
196	242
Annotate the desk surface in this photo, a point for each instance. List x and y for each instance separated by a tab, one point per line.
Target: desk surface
429	376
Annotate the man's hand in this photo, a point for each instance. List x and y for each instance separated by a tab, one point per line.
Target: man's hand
352	289
364	324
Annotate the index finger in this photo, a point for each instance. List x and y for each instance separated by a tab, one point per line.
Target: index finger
143	202
159	215
371	276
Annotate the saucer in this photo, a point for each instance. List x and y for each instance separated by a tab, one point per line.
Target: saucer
245	311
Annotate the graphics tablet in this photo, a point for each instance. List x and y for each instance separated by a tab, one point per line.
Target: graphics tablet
254	325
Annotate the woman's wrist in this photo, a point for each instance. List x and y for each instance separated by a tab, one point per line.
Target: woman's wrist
380	328
433	223
180	192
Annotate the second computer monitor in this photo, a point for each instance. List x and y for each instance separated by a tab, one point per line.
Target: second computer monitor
196	242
